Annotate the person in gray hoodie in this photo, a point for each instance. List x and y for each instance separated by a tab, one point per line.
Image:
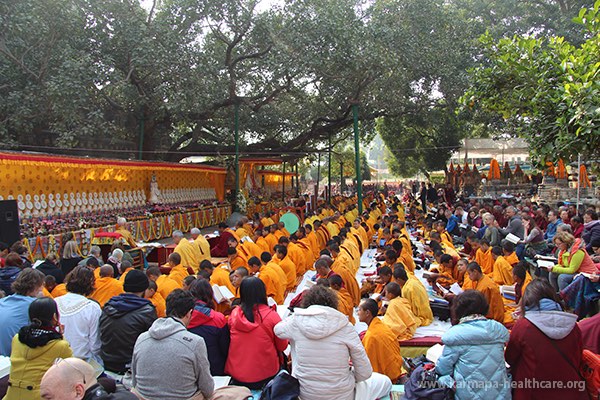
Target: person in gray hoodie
170	363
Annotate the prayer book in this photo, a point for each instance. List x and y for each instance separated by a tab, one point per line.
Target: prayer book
547	258
222	293
545	264
508	292
271	302
512	238
456	289
4	366
221	381
475	229
462	226
434	352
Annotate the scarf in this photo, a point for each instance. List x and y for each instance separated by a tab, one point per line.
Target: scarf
37	336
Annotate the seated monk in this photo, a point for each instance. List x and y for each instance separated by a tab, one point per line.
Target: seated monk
187	282
49	285
311	236
285	263
156	299
448	274
294	253
220	248
234	260
202	244
178	272
164	283
381	343
405	257
121	228
275	287
415	293
342	266
344	300
189	252
106	287
398	314
489	289
323	235
259	239
269	263
218	276
502	270
236	278
483	257
521	278
376	285
300	240
271	238
125	267
324	267
59	290
508	251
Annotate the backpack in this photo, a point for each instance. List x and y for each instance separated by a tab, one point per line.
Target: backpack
590	370
282	387
423	384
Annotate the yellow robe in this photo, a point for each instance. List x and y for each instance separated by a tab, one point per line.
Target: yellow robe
272	241
267	222
160	305
220	277
297	256
333	229
512	259
190	254
241	232
416	295
280	273
124	274
289	269
252	249
46	293
314	244
491	292
263	244
178	274
237	262
407	261
502	274
352	251
166	285
485	260
323	236
400	318
345	304
59	290
105	289
348	278
383	349
127	237
309	259
204	248
275	288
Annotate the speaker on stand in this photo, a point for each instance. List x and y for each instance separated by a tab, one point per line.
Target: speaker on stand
10	231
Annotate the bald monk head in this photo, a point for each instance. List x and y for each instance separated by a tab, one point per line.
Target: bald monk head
153	273
107	271
474	271
67	380
151	291
174	259
392	290
336	282
322	267
367	311
50	282
237	276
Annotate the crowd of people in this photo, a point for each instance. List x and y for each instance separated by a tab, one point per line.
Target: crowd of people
74	325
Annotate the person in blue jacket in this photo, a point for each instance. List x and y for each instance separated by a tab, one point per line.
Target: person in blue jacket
473	358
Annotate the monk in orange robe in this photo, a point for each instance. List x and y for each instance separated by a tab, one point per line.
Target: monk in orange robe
156	299
483	257
189	252
284	262
415	293
272	239
489	289
323	235
325	267
522	278
164	283
448	273
261	242
59	290
502	270
178	272
398	314
313	240
344	300
273	284
381	343
295	254
106	287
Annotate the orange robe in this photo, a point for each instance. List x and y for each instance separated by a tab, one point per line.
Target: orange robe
348	278
448	276
166	285
491	292
289	270
46	293
512	259
252	249
105	289
345	304
323	237
204	248
309	259
237	262
59	290
178	274
297	256
383	349
127	236
407	261
280	273
502	273
275	288
485	260
400	318
272	241
352	253
160	305
220	277
263	244
124	274
314	244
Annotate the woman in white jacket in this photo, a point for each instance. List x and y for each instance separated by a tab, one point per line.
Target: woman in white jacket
328	357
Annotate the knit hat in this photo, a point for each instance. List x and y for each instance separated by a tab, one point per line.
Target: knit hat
135	281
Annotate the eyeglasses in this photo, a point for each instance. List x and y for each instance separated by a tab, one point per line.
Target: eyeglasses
60	360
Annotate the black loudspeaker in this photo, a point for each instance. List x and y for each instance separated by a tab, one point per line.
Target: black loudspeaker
9	222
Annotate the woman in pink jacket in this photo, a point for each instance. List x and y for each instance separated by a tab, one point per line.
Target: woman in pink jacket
254	352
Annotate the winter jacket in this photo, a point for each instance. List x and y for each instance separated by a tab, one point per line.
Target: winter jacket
97	392
531	354
591	231
49	268
33	353
7	276
14	314
473	358
212	327
81	316
323	342
170	363
123	319
254	348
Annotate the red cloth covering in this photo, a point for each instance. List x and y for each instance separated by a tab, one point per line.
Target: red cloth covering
220	249
590	333
426	341
114	235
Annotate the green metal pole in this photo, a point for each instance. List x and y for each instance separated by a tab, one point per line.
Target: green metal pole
329	174
297	182
318	179
283	185
341	177
236	123
141	149
357	159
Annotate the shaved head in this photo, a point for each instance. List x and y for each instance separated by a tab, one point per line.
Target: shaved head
107	271
67	380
